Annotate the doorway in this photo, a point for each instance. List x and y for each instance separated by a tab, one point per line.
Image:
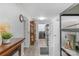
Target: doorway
43	38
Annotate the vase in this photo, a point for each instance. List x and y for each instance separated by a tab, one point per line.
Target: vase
0	41
5	41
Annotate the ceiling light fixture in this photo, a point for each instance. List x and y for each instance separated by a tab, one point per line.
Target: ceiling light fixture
41	18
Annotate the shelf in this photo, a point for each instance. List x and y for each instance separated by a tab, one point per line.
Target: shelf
71	30
70	52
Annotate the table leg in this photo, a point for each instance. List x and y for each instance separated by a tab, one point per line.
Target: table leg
19	50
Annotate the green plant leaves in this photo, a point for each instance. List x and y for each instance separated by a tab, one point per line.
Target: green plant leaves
6	35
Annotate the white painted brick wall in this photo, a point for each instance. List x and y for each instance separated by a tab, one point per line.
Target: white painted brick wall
54	42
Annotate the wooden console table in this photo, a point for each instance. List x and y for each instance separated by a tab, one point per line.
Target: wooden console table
12	47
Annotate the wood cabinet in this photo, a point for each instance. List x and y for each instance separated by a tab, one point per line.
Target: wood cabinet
32	32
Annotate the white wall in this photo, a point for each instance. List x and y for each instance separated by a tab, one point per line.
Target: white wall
9	13
54	41
41	27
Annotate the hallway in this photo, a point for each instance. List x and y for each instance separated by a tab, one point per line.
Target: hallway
22	21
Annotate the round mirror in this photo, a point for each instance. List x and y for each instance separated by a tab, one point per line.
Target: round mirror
21	18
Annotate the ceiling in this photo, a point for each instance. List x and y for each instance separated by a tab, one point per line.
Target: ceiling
74	9
43	9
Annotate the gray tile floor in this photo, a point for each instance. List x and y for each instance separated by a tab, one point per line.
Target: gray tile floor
44	51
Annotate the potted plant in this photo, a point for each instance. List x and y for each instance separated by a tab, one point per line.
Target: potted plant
6	37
